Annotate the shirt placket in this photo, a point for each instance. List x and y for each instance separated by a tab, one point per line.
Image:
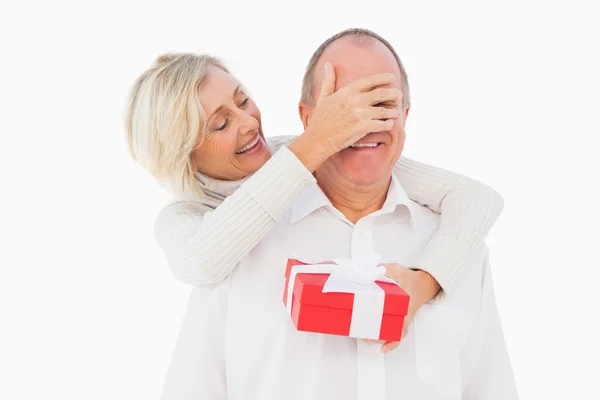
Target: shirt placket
370	361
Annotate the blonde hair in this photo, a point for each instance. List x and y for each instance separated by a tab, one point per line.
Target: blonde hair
359	36
164	118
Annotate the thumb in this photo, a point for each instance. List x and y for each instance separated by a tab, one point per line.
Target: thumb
393	271
388	270
328	86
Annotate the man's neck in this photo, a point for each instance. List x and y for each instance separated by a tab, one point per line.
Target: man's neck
352	200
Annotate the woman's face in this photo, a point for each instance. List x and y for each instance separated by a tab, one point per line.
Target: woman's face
234	145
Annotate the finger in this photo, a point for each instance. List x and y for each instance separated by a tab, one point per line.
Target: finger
383	113
394	270
389	270
389	346
367	83
376	125
383	95
328	86
372	341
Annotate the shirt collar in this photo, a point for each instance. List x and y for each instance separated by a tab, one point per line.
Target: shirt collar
312	198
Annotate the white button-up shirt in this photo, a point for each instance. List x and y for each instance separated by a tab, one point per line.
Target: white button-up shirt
237	341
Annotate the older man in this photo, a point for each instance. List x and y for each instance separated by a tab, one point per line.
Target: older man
238	341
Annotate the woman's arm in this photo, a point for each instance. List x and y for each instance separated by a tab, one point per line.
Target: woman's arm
203	246
468	211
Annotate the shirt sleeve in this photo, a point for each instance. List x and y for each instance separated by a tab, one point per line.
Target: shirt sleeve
489	375
203	247
197	369
468	211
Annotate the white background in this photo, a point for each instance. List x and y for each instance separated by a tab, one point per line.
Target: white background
505	93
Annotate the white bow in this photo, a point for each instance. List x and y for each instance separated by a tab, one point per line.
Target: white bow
364	269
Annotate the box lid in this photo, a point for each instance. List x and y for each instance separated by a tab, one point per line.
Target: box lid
308	290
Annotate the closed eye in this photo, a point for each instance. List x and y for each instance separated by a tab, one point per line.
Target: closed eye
222	127
245	102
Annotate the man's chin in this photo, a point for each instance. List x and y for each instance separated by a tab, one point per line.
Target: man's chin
361	170
369	181
365	176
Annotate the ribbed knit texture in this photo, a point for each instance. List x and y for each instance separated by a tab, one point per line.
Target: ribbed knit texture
468	210
205	239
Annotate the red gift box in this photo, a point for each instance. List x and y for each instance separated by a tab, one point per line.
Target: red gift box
331	313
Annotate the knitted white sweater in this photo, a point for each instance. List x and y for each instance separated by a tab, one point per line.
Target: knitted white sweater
204	239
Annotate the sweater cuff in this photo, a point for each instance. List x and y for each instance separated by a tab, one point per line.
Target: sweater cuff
441	259
277	184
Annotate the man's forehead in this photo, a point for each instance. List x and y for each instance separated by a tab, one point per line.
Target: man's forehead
346	74
352	61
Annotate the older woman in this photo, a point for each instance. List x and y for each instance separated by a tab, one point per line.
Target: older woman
193	126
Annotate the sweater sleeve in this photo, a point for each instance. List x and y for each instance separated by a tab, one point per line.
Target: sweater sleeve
468	211
204	247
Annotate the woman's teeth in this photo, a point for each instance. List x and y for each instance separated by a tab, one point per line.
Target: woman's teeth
248	146
364	145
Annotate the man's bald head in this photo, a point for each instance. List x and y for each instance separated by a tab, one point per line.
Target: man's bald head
336	49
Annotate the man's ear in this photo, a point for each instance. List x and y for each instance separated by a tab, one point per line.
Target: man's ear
305	113
406	114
